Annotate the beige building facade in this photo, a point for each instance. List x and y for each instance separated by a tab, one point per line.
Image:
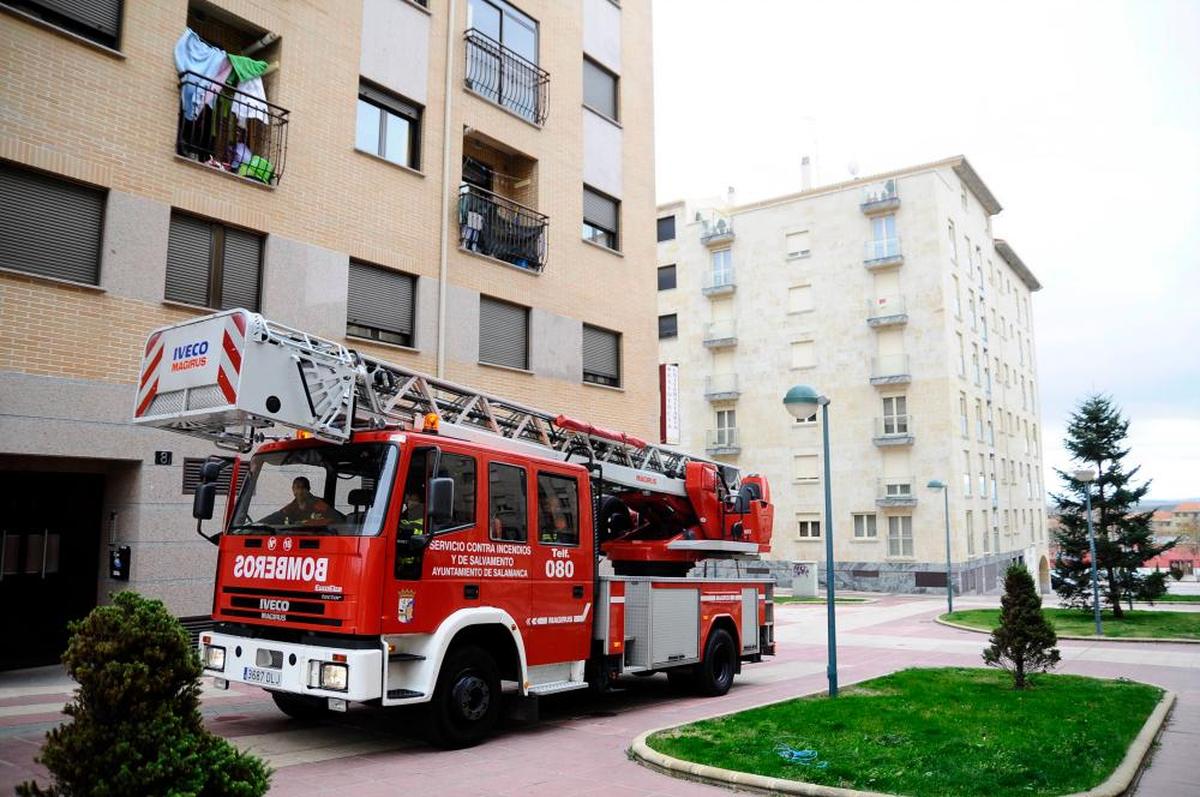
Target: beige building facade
891	297
454	185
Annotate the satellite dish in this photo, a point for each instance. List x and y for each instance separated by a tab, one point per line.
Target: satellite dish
852	167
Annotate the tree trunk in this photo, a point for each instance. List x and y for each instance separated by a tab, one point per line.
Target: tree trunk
1114	594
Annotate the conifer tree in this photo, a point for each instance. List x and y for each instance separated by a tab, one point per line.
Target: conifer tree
1124	540
1024	641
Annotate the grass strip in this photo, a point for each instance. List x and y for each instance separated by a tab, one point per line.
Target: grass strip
1170	598
1072	622
945	732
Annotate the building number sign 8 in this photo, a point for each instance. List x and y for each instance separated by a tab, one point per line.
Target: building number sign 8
560	568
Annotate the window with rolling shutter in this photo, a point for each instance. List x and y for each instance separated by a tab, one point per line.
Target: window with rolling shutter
211	265
380	304
666	278
668	326
503	333
50	227
666	229
601	356
599	89
98	20
601	218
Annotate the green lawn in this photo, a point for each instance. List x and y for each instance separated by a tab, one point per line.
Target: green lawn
810	599
1169	598
934	732
1072	622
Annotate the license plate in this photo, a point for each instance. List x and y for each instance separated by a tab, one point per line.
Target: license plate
254	675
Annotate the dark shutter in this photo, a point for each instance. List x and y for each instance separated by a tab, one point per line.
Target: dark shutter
666	278
599	210
189	255
50	227
388	101
380	299
599	89
503	333
668	326
666	229
100	15
240	269
602	354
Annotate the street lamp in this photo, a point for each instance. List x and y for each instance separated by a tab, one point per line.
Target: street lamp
1087	476
802	402
938	484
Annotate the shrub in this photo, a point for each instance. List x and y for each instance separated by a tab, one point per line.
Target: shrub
1024	642
1152	586
136	725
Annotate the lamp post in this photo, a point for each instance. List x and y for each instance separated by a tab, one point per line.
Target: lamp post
1087	476
802	401
938	484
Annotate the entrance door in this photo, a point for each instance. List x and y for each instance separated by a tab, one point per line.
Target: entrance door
50	534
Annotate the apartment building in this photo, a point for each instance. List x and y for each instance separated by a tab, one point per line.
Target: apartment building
891	297
460	186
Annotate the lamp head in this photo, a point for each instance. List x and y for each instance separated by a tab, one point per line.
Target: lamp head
1085	475
936	484
802	401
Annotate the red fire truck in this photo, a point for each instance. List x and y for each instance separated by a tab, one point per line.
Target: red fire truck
414	541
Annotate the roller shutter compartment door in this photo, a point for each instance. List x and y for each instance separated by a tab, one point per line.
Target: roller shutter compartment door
599	210
240	269
103	16
601	355
50	227
380	299
189	259
503	333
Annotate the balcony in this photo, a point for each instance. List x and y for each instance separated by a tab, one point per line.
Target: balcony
499	75
895	491
890	369
715	228
719	442
231	131
719	283
882	253
893	430
495	226
886	312
721	387
720	334
880	198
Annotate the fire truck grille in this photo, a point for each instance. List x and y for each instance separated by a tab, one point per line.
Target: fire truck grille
201	398
167	403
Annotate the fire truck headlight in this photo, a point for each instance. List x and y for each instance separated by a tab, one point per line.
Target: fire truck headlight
334	676
214	658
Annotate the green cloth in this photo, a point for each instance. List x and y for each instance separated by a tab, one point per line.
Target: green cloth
257	167
246	68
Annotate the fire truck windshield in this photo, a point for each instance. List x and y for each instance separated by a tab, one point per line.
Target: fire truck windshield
340	490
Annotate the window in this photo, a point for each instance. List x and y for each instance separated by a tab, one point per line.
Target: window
600	219
600	89
726	428
900	539
668	326
379	304
983	517
504	24
957	298
864	526
953	241
50	227
962	357
722	267
388	126
982	478
967	474
601	356
503	333
971	310
803	355
897	489
808	529
895	415
800	299
970	533
506	503
798	244
975	363
805	468
884	243
962	413
978	420
666	229
211	265
666	277
461	469
558	510
98	20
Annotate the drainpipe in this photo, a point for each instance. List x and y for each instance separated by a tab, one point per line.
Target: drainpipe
443	257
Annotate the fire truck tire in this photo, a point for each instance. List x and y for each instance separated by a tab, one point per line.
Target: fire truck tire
714	674
466	700
300	707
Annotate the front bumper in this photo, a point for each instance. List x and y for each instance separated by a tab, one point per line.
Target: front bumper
253	661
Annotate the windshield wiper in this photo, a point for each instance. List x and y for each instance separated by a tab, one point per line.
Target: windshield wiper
263	527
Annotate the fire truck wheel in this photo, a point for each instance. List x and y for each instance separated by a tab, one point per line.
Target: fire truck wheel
466	701
300	707
714	675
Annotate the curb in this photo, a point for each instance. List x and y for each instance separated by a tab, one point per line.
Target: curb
1114	786
1141	639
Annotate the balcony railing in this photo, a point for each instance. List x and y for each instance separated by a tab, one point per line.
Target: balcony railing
880	197
718	334
895	491
231	131
886	312
498	74
722	441
893	430
719	387
890	369
882	252
492	225
719	282
715	228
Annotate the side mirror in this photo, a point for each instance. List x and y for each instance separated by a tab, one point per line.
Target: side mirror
441	500
203	500
413	544
210	471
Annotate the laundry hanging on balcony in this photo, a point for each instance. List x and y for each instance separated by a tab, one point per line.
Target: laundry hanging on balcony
193	54
249	72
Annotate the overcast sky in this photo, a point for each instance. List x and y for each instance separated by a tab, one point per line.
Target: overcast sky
1082	117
